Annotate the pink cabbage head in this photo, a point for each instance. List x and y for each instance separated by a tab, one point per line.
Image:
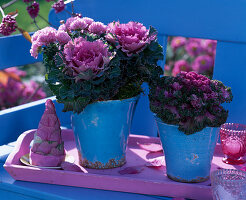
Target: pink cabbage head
97	28
131	37
82	55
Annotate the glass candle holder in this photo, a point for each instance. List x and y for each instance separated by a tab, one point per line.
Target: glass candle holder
233	140
228	184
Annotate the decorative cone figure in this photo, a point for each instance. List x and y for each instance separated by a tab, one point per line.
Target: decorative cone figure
48	147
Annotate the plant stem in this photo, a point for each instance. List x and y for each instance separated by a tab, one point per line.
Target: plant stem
2	12
8	4
72	8
34	21
69	12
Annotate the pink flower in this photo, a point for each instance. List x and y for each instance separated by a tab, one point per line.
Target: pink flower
42	37
47	35
202	64
62	28
197	40
75	23
62	37
82	55
12	92
180	65
69	22
88	20
193	48
78	24
97	28
110	29
35	49
132	37
210	46
31	90
8	25
178	42
16	71
59	6
15	92
33	9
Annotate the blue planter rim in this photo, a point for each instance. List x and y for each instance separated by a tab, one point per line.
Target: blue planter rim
160	121
116	101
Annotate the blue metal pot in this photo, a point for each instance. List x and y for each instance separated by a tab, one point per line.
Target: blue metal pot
188	157
101	132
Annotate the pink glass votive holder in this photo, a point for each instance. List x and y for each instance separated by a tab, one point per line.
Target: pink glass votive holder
233	140
228	184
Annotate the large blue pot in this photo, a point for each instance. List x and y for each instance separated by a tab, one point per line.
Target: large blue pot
101	131
188	157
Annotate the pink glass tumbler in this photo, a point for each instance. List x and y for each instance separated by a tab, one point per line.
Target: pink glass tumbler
233	140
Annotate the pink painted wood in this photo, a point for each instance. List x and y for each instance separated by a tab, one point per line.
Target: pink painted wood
151	180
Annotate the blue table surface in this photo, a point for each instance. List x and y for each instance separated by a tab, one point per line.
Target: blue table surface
11	189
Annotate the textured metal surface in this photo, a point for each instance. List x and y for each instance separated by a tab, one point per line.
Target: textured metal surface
101	132
188	157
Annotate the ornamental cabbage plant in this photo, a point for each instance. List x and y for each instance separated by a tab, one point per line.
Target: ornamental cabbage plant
88	61
190	101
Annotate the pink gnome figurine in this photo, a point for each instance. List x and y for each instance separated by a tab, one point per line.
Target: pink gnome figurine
48	147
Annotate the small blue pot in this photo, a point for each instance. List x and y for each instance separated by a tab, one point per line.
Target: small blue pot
101	131
188	157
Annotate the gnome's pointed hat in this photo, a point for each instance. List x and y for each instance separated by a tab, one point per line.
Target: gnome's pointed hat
48	147
49	125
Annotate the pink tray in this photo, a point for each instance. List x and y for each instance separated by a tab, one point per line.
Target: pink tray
152	181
